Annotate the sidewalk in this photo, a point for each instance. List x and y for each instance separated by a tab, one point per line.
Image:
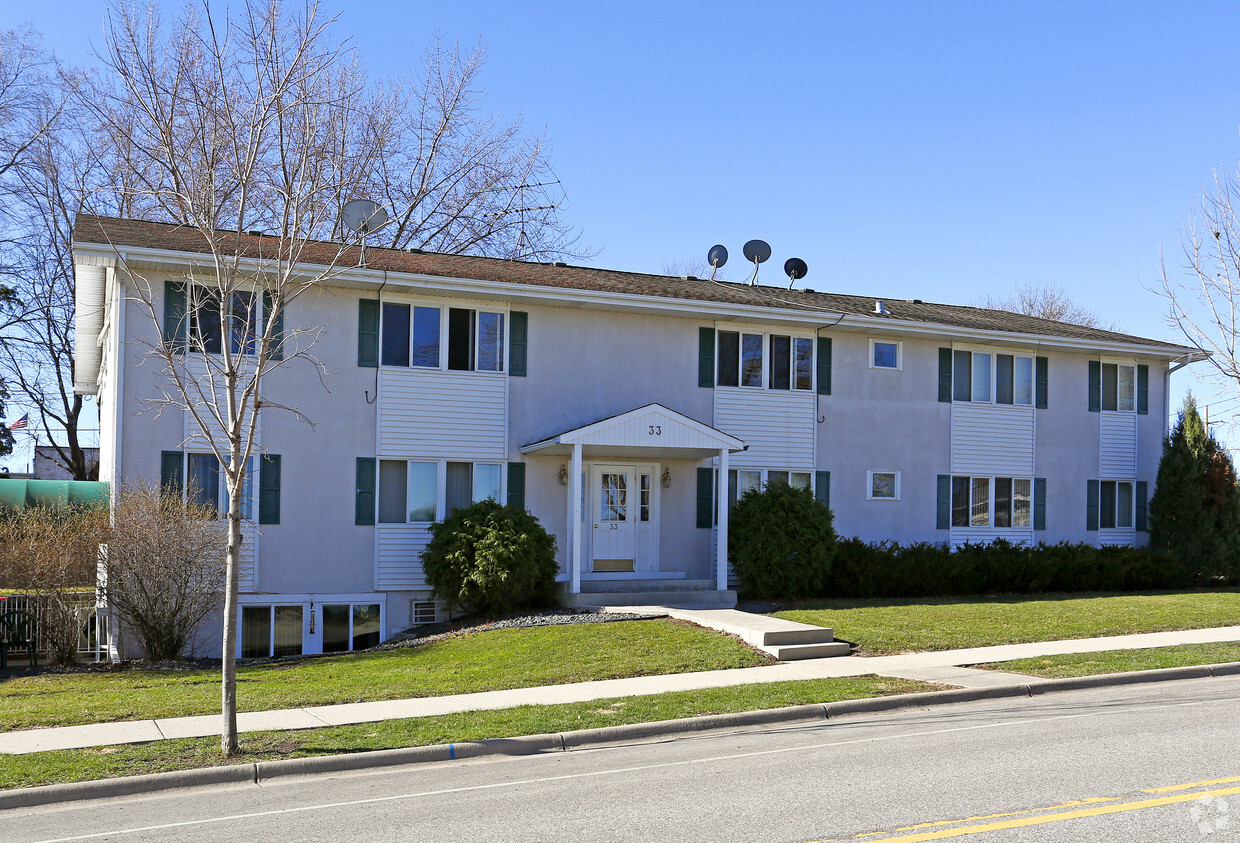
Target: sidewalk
943	667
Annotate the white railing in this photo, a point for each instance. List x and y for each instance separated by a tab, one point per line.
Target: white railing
92	624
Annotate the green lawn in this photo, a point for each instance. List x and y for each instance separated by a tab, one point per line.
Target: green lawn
483	661
1120	661
896	626
107	762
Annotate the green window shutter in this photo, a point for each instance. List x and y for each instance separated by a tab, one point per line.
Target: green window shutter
516	484
365	506
1143	505
172	473
277	330
945	380
706	359
822	488
176	318
944	513
1143	389
518	336
1039	503
1092	491
1041	382
705	497
1095	387
269	489
368	335
824	365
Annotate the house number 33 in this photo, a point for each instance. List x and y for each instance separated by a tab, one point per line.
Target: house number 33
656	430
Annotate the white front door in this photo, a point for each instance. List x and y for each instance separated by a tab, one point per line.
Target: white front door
613	517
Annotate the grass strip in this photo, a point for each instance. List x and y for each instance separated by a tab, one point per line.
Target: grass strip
127	760
949	623
1120	661
482	661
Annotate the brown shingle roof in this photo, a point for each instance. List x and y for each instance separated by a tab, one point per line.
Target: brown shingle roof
184	238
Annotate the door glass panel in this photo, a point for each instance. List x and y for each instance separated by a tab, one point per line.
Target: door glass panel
366	632
981	502
751	360
288	631
805	363
613	497
645	492
255	632
335	629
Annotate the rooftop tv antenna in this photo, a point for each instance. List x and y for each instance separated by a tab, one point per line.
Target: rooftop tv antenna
756	251
795	268
717	257
363	217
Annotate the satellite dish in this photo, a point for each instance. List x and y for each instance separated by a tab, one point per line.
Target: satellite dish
363	216
717	256
795	268
757	251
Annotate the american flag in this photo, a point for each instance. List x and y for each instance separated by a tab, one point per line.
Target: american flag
21	423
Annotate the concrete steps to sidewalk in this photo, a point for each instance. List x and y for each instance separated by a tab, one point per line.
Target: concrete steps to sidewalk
783	639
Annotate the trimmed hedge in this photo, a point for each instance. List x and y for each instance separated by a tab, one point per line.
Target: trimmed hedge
933	570
491	559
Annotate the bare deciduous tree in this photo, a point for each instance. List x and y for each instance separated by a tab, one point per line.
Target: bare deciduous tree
165	568
1048	301
1203	298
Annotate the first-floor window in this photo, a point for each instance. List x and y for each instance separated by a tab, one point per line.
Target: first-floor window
270	631
884	486
409	489
973	504
350	626
1116	505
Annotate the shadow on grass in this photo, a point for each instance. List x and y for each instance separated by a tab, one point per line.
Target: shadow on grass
967	599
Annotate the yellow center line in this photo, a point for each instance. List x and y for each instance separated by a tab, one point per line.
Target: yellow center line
1192	785
1096	811
1093	800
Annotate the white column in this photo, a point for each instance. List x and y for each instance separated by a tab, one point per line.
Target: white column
574	490
721	496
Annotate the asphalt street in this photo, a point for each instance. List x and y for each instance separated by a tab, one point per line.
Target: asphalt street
1157	762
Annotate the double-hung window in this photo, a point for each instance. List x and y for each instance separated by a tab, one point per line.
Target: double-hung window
409	490
1115	510
410	335
207	485
773	361
1119	387
986	377
413	336
475	340
209	323
991	502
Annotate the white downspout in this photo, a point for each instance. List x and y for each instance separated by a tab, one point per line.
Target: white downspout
721	549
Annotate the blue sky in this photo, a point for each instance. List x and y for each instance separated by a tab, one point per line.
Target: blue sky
942	151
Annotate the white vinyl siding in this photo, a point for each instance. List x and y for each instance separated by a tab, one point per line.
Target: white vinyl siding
451	415
1117	451
992	439
778	426
398	554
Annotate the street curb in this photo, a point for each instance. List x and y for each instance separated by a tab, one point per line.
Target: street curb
568	741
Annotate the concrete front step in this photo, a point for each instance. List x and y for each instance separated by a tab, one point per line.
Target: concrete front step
697	599
653	586
794	652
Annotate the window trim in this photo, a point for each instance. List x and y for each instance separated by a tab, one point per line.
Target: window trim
869	484
1132	502
992	496
899	344
1118	362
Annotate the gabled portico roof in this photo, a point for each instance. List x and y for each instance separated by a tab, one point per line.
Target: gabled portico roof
649	431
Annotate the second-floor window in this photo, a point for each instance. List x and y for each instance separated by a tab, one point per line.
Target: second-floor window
1119	387
983	377
413	336
209	324
773	361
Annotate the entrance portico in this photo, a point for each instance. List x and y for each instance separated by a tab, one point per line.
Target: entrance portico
625	487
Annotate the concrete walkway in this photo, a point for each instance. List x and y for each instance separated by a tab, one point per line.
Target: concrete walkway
943	667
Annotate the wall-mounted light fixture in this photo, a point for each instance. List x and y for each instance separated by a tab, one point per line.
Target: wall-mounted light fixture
667	478
563	475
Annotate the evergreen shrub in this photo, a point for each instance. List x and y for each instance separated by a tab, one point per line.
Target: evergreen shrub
780	542
491	559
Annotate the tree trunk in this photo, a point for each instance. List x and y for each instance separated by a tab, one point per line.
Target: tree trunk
228	684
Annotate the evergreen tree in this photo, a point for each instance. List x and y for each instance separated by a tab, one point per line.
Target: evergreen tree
1195	511
6	435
